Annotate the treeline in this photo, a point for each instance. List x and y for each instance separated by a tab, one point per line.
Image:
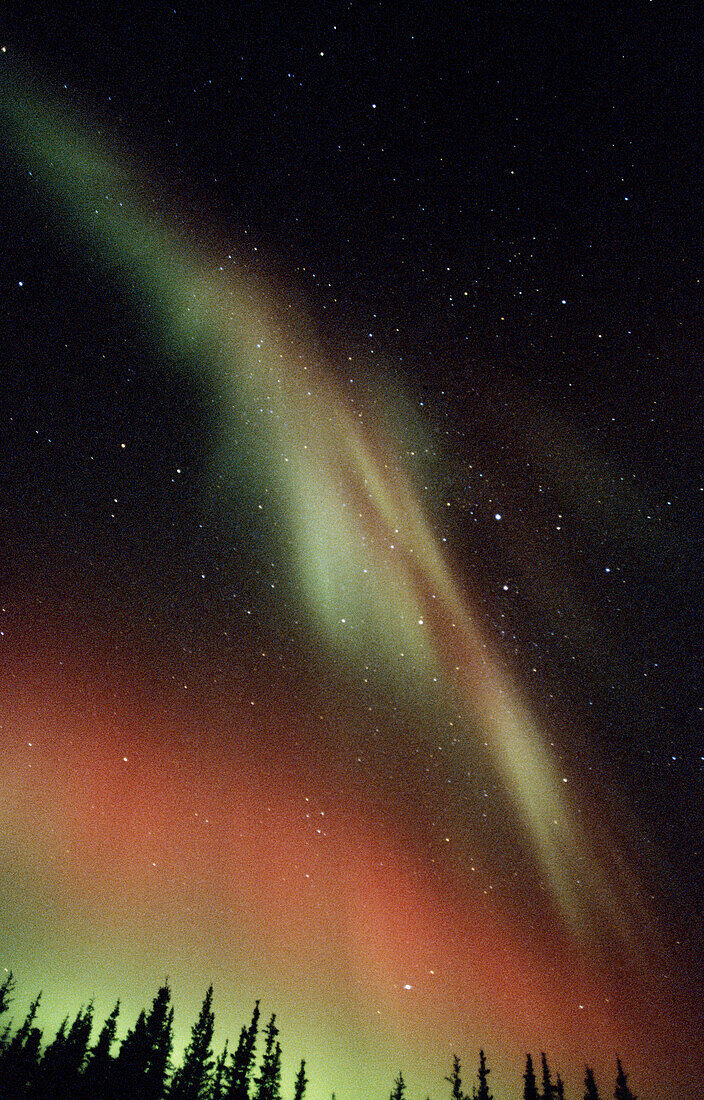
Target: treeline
549	1090
70	1067
140	1067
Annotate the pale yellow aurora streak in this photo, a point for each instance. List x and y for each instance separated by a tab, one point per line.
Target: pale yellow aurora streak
374	583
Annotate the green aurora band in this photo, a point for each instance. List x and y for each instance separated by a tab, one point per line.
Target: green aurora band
372	580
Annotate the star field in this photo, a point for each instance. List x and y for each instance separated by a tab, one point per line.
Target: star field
350	515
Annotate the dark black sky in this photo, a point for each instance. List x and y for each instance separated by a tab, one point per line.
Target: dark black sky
438	171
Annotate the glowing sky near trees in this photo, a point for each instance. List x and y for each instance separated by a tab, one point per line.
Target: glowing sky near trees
362	819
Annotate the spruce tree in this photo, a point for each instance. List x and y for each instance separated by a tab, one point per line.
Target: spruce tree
559	1089
548	1089
60	1068
301	1082
275	1075
20	1037
5	1038
591	1092
97	1073
455	1079
6	990
132	1059
192	1078
19	1058
217	1091
142	1064
240	1071
622	1091
483	1073
26	1068
399	1090
52	1054
530	1091
269	1080
160	1033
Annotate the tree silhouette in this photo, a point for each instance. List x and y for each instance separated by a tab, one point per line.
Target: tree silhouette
142	1064
399	1090
548	1087
530	1091
455	1079
60	1069
20	1055
240	1071
591	1092
160	1037
622	1091
217	1091
51	1058
301	1082
70	1069
26	1067
132	1059
192	1078
97	1075
483	1073
160	1031
269	1080
6	990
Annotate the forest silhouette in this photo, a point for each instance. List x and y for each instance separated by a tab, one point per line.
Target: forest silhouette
76	1064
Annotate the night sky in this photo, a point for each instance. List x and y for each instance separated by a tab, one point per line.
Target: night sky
351	504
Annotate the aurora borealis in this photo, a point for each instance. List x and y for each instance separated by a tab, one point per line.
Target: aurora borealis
310	680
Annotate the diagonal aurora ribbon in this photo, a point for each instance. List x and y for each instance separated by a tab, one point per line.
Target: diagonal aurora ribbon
367	567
